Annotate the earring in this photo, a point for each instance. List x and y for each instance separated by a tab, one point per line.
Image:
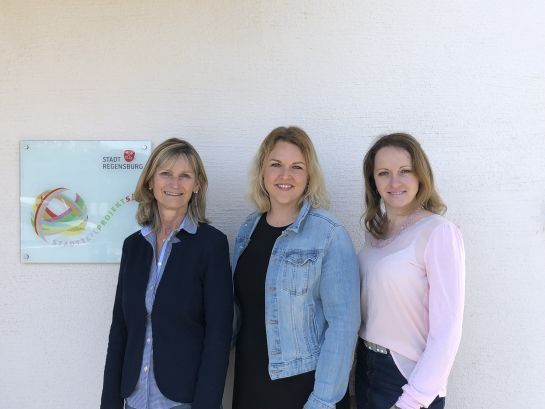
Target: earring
150	188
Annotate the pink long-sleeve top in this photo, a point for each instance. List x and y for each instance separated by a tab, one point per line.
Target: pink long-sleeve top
412	299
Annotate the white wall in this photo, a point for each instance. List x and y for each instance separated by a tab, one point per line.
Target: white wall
467	78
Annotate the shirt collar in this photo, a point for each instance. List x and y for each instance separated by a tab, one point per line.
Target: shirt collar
187	224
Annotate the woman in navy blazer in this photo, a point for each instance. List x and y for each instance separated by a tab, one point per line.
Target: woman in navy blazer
172	318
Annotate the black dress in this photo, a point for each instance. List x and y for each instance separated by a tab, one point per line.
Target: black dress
253	387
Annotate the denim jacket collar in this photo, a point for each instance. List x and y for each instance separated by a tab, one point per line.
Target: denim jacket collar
252	220
305	208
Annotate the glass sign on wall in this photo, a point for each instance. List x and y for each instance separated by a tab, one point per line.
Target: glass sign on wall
77	202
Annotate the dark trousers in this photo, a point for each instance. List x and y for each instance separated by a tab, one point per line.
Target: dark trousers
379	382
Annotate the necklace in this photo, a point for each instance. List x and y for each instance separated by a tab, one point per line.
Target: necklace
414	217
409	220
168	233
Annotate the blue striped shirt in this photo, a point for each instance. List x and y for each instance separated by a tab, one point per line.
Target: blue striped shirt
147	395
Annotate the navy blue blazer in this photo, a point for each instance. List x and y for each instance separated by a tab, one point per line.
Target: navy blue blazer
191	320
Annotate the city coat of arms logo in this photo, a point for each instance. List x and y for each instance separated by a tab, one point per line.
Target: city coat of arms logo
128	155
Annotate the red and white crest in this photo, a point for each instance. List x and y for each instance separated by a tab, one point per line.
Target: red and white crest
128	155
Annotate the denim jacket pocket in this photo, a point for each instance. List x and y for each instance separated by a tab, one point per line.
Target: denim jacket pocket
296	268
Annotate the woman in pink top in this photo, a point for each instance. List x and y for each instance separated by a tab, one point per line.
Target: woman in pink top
412	287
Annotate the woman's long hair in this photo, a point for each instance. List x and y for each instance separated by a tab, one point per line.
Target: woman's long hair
374	217
148	212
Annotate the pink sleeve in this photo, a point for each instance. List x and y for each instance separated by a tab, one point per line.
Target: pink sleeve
444	258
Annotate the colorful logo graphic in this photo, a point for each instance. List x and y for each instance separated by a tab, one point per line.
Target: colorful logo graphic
59	213
128	155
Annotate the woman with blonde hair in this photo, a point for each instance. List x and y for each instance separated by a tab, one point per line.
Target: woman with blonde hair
172	318
296	285
412	288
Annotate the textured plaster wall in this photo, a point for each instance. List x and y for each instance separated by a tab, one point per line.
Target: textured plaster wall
467	78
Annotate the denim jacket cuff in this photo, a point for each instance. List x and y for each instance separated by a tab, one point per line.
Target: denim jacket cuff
314	403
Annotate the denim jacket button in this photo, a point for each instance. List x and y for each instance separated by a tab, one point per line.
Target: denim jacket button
273	322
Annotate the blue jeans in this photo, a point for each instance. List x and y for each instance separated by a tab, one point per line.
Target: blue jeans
379	382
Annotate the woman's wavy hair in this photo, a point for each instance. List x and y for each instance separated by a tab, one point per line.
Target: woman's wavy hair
315	191
374	217
168	151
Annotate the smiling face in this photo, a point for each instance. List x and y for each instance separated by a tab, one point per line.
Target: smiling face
285	176
396	180
173	184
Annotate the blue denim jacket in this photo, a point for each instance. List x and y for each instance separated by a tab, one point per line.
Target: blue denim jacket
312	302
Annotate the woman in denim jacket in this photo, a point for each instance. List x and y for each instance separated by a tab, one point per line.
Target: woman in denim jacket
296	285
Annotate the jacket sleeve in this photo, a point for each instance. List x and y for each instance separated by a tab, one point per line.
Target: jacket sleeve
111	389
445	267
218	316
340	295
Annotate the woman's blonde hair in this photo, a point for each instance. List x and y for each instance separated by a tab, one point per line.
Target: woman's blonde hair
169	150
375	220
315	191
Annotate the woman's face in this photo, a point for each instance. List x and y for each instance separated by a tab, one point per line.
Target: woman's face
395	179
173	184
285	175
